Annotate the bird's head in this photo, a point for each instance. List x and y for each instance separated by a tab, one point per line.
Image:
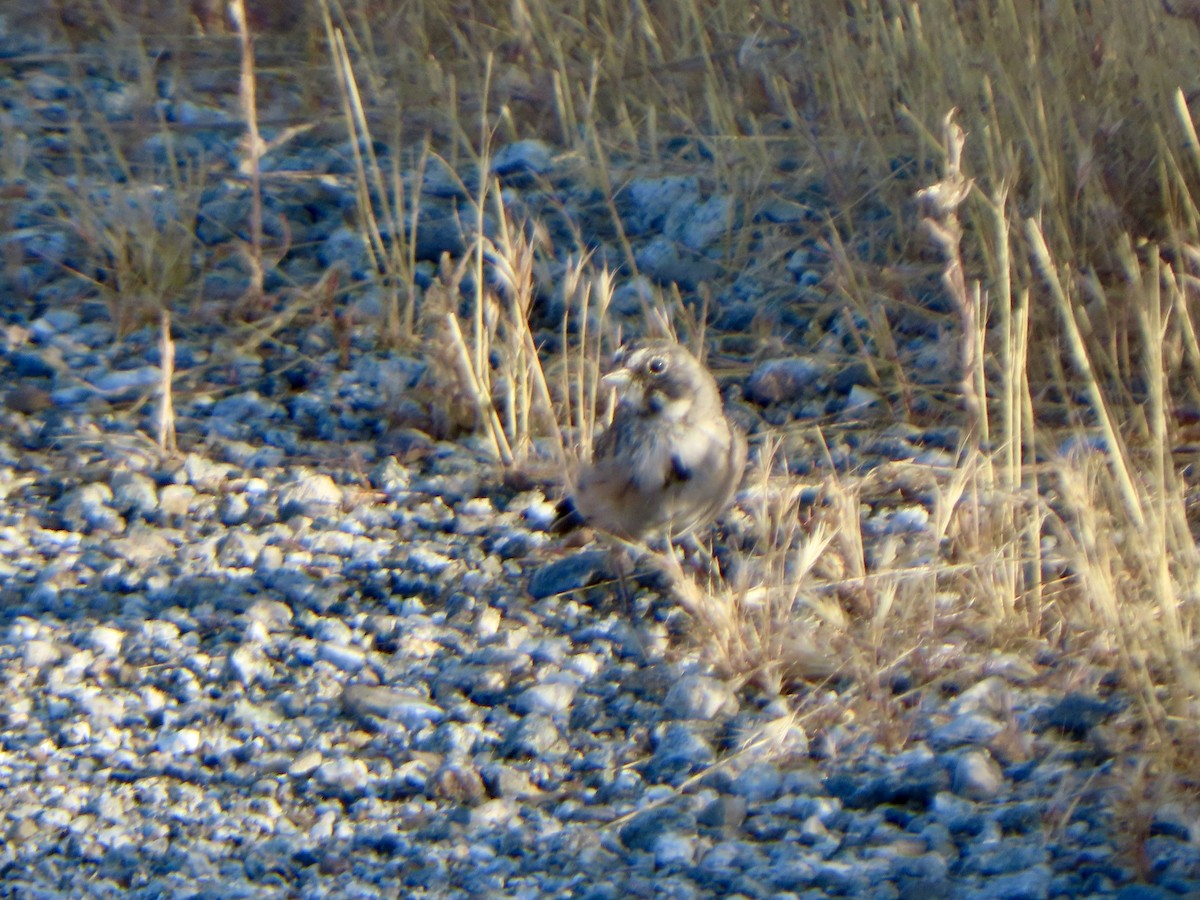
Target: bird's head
660	378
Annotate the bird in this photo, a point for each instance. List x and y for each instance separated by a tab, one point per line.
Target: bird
670	461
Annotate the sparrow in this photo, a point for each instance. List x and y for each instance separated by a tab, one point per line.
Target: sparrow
670	461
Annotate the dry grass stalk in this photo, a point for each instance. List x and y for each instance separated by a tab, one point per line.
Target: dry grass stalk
253	145
941	203
390	234
166	401
1125	528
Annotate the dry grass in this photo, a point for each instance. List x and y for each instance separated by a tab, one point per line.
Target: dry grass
1057	207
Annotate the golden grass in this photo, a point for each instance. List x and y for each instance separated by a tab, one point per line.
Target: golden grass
1057	206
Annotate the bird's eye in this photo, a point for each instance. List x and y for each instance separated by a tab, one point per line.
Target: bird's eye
657	365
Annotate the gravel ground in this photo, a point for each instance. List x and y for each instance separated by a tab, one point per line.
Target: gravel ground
325	654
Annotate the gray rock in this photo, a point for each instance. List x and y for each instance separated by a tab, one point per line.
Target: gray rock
407	707
644	829
247	407
570	573
89	507
239	549
54	321
550	698
305	764
343	777
106	640
332	631
143	547
128	384
39	654
133	493
441	181
183	742
977	776
700	697
670	263
758	783
1076	714
274	615
508	781
671	848
968	729
536	737
681	750
175	500
310	495
706	223
647	201
233	509
247	665
990	697
783	380
345	657
959	815
347	246
1031	884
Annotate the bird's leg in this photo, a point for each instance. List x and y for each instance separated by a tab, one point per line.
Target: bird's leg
623	568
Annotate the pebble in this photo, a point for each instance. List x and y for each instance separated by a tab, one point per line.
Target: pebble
247	665
134	492
700	697
106	640
273	615
179	743
783	380
977	776
310	495
396	704
39	654
572	573
681	750
549	698
345	777
305	764
759	783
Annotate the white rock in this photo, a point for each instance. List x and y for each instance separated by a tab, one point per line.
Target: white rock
179	743
106	640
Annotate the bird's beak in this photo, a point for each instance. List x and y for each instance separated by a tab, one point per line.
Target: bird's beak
618	381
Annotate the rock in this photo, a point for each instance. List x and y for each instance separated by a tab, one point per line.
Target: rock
977	776
783	380
311	495
394	704
570	573
700	697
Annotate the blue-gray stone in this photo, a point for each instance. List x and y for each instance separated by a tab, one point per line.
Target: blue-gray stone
680	751
643	830
523	157
570	573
